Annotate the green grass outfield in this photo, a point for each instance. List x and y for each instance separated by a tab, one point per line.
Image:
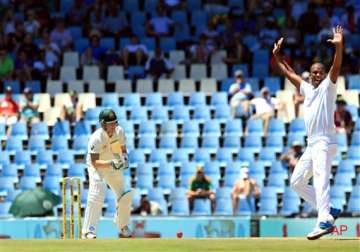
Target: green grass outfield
190	245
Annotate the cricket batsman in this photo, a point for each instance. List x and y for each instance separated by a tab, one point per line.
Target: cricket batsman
106	160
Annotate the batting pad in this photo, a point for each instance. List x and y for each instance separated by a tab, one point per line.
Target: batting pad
124	209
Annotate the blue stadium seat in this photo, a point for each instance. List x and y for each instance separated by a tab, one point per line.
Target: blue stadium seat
290	206
354	205
232	143
77	170
273	83
54	170
32	170
45	157
144	181
346	166
277	127
255	127
59	143
260	70
357	125
295	136
341	140
10	171
210	143
22	158
275	141
354	154
168	128
202	155
158	156
355	138
14	144
246	154
6	183
80	145
230	179
353	109
40	129
27	182
211	128
277	182
65	158
136	157
233	128
180	207
223	155
175	99
268	154
167	182
201	207
153	100
201	114
82	128
222	113
354	81
297	126
132	100
223	207
191	128
14	84
147	128
36	144
244	207
110	100
344	179
180	114
128	128
159	114
62	128
253	141
168	142
180	155
2	131
197	99
4	209
147	143
167	44
219	98
337	194
136	72
138	114
268	201
223	193
19	130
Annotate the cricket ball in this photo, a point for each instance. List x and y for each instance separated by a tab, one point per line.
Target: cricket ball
179	234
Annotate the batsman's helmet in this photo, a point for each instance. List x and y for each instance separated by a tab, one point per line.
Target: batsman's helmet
107	116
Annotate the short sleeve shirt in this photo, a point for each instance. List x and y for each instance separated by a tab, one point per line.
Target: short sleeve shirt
99	142
319	108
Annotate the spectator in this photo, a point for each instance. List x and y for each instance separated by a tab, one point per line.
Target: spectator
237	52
52	50
200	53
239	92
351	19
6	65
342	117
77	14
200	187
87	57
147	207
73	111
31	25
23	67
158	65
9	110
41	70
160	25
9	22
309	22
135	53
29	47
265	107
61	36
29	106
115	23
293	155
269	33
244	188
97	51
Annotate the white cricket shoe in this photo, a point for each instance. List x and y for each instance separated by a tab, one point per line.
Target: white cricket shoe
125	232
323	229
89	235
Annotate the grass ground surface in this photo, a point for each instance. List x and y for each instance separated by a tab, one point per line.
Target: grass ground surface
186	245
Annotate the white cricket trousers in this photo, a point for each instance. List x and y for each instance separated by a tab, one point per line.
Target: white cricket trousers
315	162
97	190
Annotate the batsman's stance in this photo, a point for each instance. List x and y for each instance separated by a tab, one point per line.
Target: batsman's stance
106	160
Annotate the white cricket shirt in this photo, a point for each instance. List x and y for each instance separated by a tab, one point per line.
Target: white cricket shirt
319	107
99	142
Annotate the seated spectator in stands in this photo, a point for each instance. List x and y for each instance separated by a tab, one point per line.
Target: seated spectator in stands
29	106
215	7
61	36
29	47
77	13
115	23
158	65
292	156
299	98
42	69
291	34
239	92
31	25
237	52
160	25
342	117
97	51
199	53
147	207
351	19
269	33
87	57
23	67
6	65
72	112
309	21
9	109
135	53
9	22
200	187
265	107
244	188
112	57
52	50
212	36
